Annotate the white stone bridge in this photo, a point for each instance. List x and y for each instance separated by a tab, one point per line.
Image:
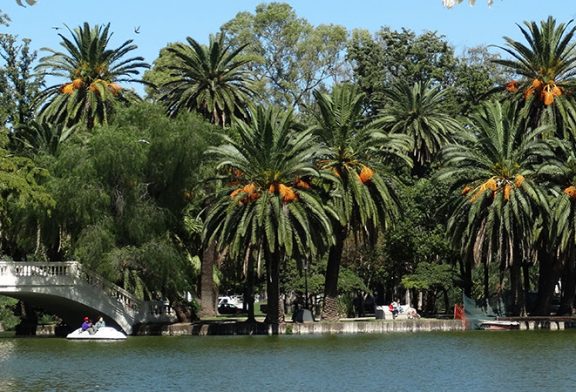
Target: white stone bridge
70	291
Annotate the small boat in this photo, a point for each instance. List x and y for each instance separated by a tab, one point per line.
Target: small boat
104	333
499	325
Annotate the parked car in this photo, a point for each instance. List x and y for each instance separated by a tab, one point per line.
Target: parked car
230	304
227	308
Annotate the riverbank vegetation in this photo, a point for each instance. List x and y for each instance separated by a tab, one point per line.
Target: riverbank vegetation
285	160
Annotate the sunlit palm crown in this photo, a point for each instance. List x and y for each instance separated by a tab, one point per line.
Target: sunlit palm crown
212	80
93	72
419	111
561	175
493	171
268	197
546	63
354	153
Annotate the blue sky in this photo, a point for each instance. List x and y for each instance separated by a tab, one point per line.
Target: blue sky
172	20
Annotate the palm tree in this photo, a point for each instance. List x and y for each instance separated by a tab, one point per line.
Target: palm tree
561	250
268	204
363	195
546	66
496	208
211	80
93	72
419	111
41	137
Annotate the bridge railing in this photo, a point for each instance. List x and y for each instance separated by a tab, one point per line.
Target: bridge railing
125	298
73	270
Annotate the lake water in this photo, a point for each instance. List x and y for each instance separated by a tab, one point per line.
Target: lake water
463	361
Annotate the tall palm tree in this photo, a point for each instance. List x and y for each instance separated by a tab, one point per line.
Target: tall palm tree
93	72
268	203
498	202
546	66
419	111
560	264
212	80
363	194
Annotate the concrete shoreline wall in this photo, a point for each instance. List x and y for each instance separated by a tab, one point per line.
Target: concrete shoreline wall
313	328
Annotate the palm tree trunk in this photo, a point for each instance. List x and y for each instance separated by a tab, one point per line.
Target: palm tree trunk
526	275
568	287
549	275
207	288
249	288
274	309
330	311
516	289
465	264
486	282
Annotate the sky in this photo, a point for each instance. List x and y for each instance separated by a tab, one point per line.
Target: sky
162	22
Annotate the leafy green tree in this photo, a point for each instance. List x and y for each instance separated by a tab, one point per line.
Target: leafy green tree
269	204
418	236
18	84
390	56
476	77
21	190
291	58
419	111
122	197
211	80
431	278
93	72
363	195
495	213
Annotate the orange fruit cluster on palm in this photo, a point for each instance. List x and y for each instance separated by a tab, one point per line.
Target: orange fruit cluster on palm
286	193
546	92
78	83
301	184
495	185
250	193
366	174
512	86
571	191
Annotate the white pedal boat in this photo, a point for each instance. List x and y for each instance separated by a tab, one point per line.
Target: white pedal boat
104	333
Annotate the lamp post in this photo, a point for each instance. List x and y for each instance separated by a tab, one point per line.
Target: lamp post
306	283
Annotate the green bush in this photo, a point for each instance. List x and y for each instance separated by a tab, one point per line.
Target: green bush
7	317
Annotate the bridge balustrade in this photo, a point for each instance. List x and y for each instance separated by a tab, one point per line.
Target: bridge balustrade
72	273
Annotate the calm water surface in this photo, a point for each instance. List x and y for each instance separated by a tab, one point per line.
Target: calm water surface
465	361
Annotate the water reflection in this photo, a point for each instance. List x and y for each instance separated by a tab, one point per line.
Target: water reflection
6	349
470	361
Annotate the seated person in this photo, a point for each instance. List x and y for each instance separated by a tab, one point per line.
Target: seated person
87	326
99	324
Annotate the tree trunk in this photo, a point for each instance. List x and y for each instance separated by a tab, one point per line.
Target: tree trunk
249	288
550	270
466	274
486	283
515	289
274	309
568	288
526	287
208	295
330	311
